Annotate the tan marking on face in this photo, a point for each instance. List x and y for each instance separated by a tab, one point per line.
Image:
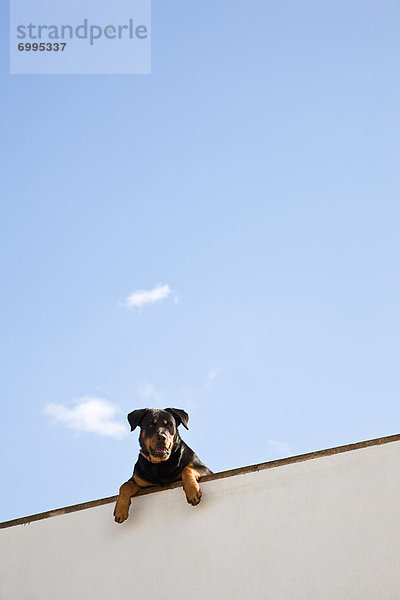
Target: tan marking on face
146	441
170	440
152	442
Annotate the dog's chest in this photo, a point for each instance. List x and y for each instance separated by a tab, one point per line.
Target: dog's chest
162	472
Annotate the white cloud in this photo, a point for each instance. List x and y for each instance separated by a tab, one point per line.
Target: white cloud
141	297
90	414
148	392
211	377
279	448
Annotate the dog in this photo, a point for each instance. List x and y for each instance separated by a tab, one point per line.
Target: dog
164	457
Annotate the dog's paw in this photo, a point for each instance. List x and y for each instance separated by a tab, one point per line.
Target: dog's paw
121	513
193	495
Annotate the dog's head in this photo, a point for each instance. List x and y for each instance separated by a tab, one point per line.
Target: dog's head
158	430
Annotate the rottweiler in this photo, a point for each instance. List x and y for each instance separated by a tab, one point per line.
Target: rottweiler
164	457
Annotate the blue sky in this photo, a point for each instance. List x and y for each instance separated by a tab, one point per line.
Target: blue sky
251	184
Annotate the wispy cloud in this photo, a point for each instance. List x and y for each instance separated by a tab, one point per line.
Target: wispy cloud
140	298
89	414
147	391
211	377
279	448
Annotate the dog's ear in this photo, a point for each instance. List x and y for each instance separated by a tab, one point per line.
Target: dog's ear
135	417
180	416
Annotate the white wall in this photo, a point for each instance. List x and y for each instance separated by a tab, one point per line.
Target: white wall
327	528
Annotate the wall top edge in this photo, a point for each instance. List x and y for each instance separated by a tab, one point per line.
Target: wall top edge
221	475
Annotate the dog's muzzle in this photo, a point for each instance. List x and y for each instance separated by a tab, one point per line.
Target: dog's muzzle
159	451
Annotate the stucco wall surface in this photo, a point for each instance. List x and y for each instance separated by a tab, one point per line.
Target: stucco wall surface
323	529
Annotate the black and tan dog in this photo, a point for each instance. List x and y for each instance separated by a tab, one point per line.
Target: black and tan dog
164	457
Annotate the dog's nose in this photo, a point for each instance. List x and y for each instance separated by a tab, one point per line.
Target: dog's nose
161	437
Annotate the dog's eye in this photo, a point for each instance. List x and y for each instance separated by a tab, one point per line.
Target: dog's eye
151	426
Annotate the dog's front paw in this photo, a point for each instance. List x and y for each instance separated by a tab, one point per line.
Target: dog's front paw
193	495
121	512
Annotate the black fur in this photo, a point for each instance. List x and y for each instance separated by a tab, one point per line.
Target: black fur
151	422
